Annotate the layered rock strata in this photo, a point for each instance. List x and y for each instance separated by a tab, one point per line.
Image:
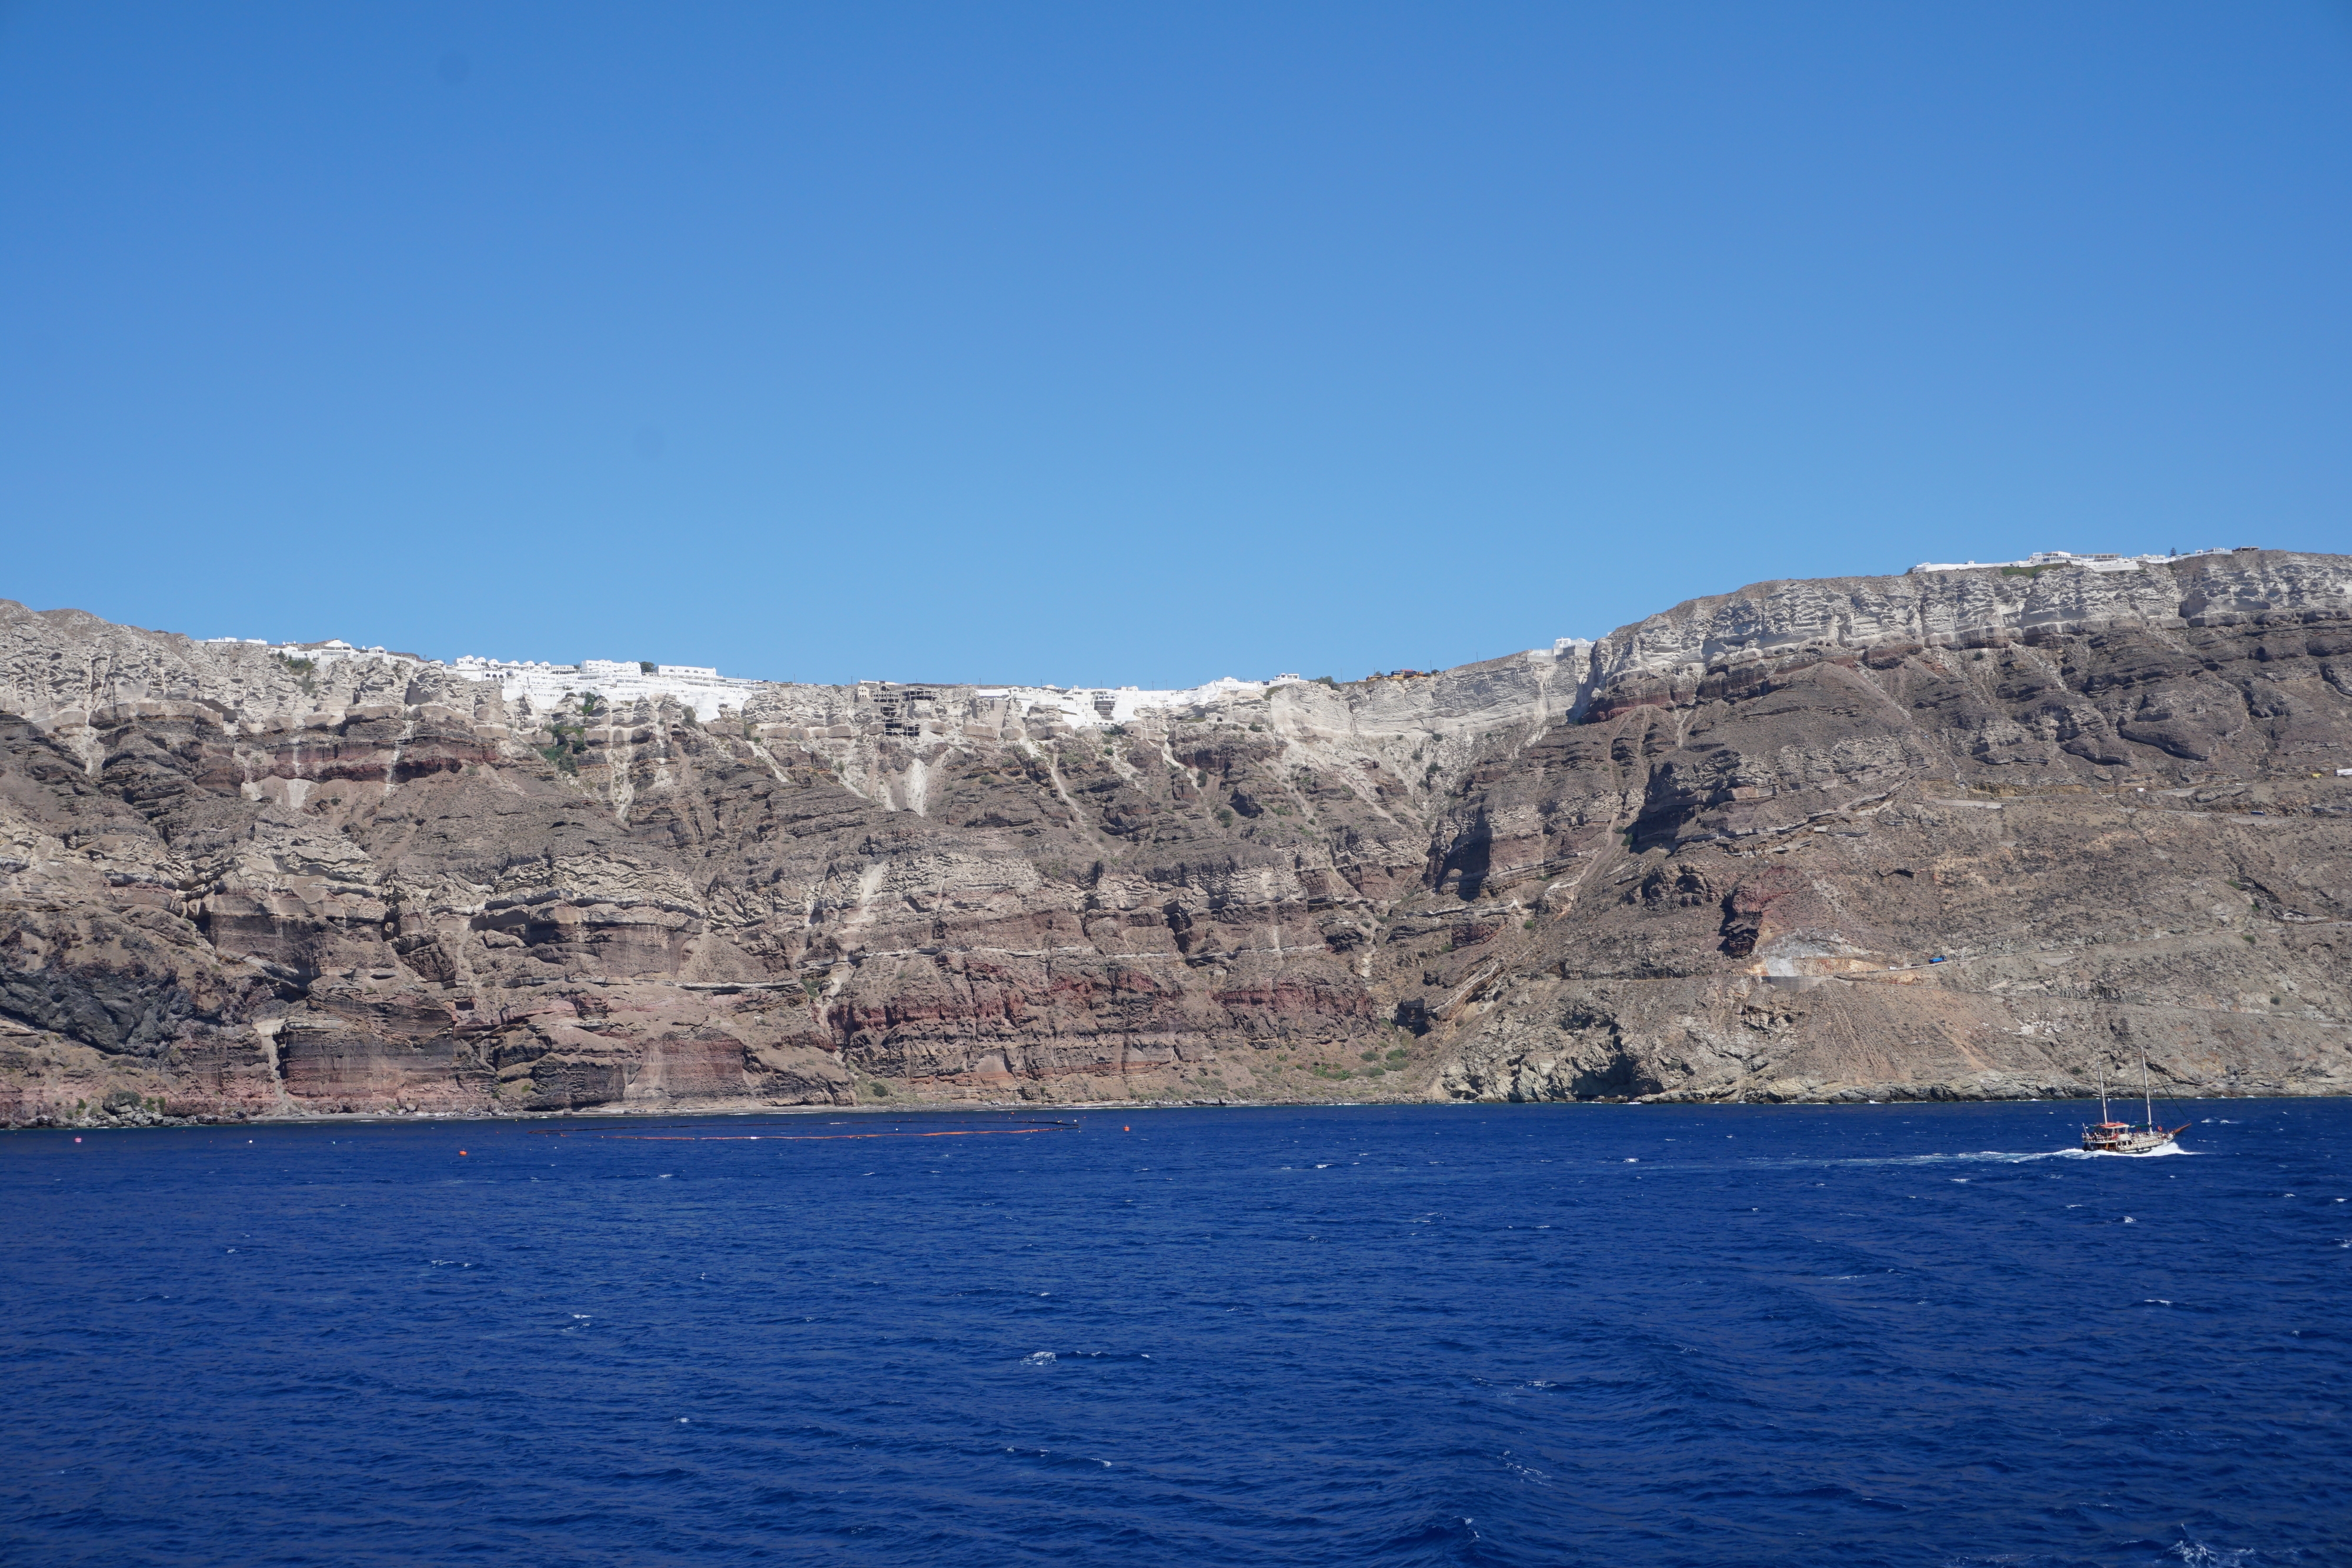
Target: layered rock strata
1711	856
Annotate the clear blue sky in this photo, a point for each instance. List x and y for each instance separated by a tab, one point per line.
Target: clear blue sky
1143	343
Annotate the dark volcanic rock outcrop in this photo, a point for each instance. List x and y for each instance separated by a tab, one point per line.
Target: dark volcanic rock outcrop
1711	856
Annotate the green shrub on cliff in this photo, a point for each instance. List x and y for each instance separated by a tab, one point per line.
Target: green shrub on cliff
571	741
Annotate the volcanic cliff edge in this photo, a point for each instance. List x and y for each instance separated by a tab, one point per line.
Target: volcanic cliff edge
1710	856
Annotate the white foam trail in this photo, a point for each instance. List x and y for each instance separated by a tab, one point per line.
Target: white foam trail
2000	1156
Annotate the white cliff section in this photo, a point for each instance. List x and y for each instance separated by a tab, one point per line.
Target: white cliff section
1957	609
1518	689
59	663
1468	697
62	661
1089	707
257	678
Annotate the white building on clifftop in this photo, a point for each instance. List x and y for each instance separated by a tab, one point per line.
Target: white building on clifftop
618	681
2043	560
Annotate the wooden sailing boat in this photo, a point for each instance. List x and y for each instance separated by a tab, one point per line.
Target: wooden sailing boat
2113	1137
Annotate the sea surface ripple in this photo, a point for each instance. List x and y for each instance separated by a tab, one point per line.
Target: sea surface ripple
1440	1335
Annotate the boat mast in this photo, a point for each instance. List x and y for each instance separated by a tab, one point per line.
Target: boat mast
2146	1101
2102	1068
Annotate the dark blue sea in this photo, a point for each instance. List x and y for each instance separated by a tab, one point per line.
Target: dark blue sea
1615	1335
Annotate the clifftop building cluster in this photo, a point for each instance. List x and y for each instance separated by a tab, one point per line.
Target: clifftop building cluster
698	686
2043	560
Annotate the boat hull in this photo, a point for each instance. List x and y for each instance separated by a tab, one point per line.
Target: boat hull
2115	1139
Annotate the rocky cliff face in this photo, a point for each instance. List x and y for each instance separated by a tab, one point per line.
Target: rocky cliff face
1711	857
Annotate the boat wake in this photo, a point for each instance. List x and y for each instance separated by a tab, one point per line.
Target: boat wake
2072	1155
1990	1157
